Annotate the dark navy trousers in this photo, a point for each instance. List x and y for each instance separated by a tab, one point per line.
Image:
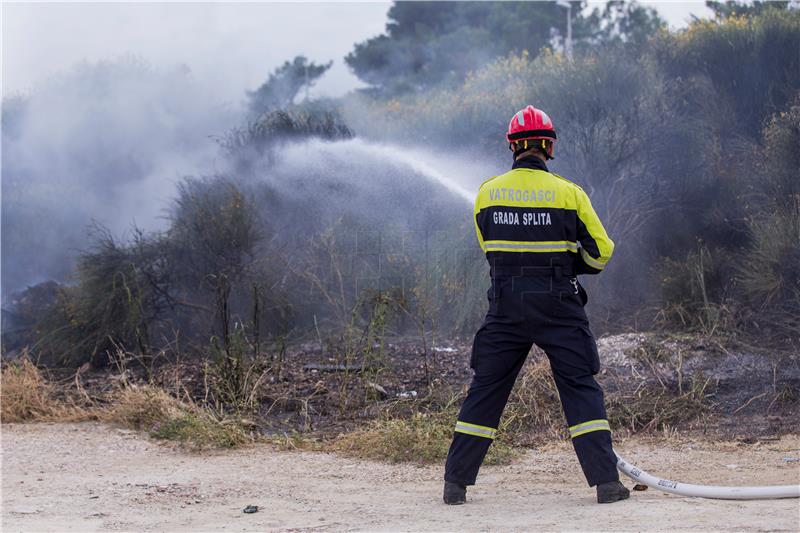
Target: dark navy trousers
547	311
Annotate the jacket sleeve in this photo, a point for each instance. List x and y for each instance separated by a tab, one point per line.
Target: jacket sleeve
475	220
596	246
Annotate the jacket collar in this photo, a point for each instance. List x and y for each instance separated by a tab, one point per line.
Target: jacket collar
530	162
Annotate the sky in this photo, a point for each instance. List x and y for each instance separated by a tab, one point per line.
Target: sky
678	14
232	46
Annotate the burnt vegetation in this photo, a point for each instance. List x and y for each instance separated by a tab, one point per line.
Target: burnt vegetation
304	298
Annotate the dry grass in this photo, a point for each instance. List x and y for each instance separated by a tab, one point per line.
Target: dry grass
533	416
658	408
199	429
152	409
417	431
141	408
420	438
534	410
26	396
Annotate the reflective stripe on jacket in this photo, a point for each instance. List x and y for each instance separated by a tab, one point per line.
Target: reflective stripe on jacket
531	217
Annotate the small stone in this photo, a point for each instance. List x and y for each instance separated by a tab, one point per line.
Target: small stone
250	509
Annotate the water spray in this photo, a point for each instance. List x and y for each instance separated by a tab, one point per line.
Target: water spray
707	491
415	159
407	157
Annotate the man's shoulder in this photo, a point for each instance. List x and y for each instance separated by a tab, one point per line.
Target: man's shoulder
493	181
567	181
493	178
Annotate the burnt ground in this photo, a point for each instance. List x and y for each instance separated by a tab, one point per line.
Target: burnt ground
748	392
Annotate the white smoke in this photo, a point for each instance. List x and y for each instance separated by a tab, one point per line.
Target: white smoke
107	142
103	142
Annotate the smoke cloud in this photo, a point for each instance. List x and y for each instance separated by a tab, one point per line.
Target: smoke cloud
105	143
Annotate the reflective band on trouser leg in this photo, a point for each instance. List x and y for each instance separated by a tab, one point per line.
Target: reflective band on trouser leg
588	427
476	430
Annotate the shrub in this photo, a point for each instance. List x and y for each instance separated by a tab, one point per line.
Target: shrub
769	272
248	145
117	301
761	50
695	292
780	159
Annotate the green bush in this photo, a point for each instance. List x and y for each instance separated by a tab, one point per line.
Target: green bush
770	272
114	305
257	140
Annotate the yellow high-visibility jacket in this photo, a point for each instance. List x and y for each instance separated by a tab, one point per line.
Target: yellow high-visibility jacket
531	217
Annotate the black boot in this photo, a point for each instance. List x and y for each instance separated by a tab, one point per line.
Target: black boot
611	492
454	494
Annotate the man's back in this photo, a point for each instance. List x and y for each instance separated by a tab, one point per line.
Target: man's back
530	217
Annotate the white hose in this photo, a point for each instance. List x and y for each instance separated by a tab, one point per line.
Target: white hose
707	491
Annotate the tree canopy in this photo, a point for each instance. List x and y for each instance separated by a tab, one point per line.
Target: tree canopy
732	8
432	43
284	83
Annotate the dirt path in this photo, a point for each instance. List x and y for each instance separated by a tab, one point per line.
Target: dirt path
81	477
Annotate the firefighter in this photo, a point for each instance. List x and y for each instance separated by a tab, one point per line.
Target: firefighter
539	232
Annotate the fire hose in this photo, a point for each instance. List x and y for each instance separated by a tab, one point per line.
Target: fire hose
707	491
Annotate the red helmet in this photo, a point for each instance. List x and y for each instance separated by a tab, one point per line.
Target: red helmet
530	124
